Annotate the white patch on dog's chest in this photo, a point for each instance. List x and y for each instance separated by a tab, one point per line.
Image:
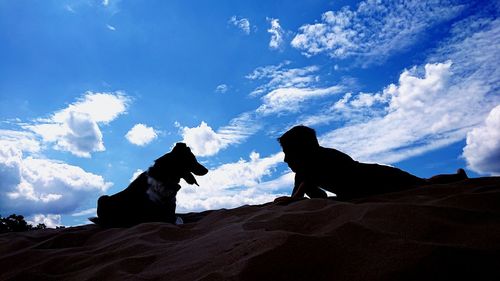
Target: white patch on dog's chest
160	193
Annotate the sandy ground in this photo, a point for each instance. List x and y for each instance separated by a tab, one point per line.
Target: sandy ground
438	232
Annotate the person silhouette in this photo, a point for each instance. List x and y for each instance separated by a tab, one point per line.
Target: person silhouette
319	168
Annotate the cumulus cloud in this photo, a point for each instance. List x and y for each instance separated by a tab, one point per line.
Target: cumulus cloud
82	135
141	135
42	189
373	31
204	141
241	23
482	151
420	114
76	128
233	184
42	186
276	34
386	139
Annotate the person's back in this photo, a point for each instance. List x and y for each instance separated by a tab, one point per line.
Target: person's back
337	172
375	179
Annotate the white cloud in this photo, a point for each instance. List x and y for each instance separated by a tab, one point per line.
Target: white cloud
240	127
350	109
141	135
137	173
50	220
269	71
233	184
276	34
373	31
413	104
76	128
284	78
87	212
42	186
204	141
421	114
110	27
102	107
82	135
242	173
333	34
291	99
222	88
241	23
24	141
482	151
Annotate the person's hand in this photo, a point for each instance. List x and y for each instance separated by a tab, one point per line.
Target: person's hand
285	200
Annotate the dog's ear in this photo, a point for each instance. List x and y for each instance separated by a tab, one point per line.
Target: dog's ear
192	163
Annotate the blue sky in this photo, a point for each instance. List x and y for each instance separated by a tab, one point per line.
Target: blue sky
91	92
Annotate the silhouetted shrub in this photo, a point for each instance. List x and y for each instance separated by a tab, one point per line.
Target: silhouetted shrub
16	223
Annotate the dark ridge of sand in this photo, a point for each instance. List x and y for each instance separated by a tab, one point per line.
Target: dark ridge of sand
438	232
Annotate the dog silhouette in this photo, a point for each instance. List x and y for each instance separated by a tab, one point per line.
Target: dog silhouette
152	195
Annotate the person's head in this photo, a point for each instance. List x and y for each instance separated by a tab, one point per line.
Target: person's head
298	143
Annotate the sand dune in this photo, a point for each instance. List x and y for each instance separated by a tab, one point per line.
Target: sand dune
439	232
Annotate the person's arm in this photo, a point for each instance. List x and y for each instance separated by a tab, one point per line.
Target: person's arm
297	194
300	190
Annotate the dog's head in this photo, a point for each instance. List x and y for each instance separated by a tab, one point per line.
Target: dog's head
178	163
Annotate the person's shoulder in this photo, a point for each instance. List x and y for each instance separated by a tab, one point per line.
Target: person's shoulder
330	150
335	154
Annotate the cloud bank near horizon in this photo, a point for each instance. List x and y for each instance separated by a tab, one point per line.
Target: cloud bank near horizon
42	188
33	186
